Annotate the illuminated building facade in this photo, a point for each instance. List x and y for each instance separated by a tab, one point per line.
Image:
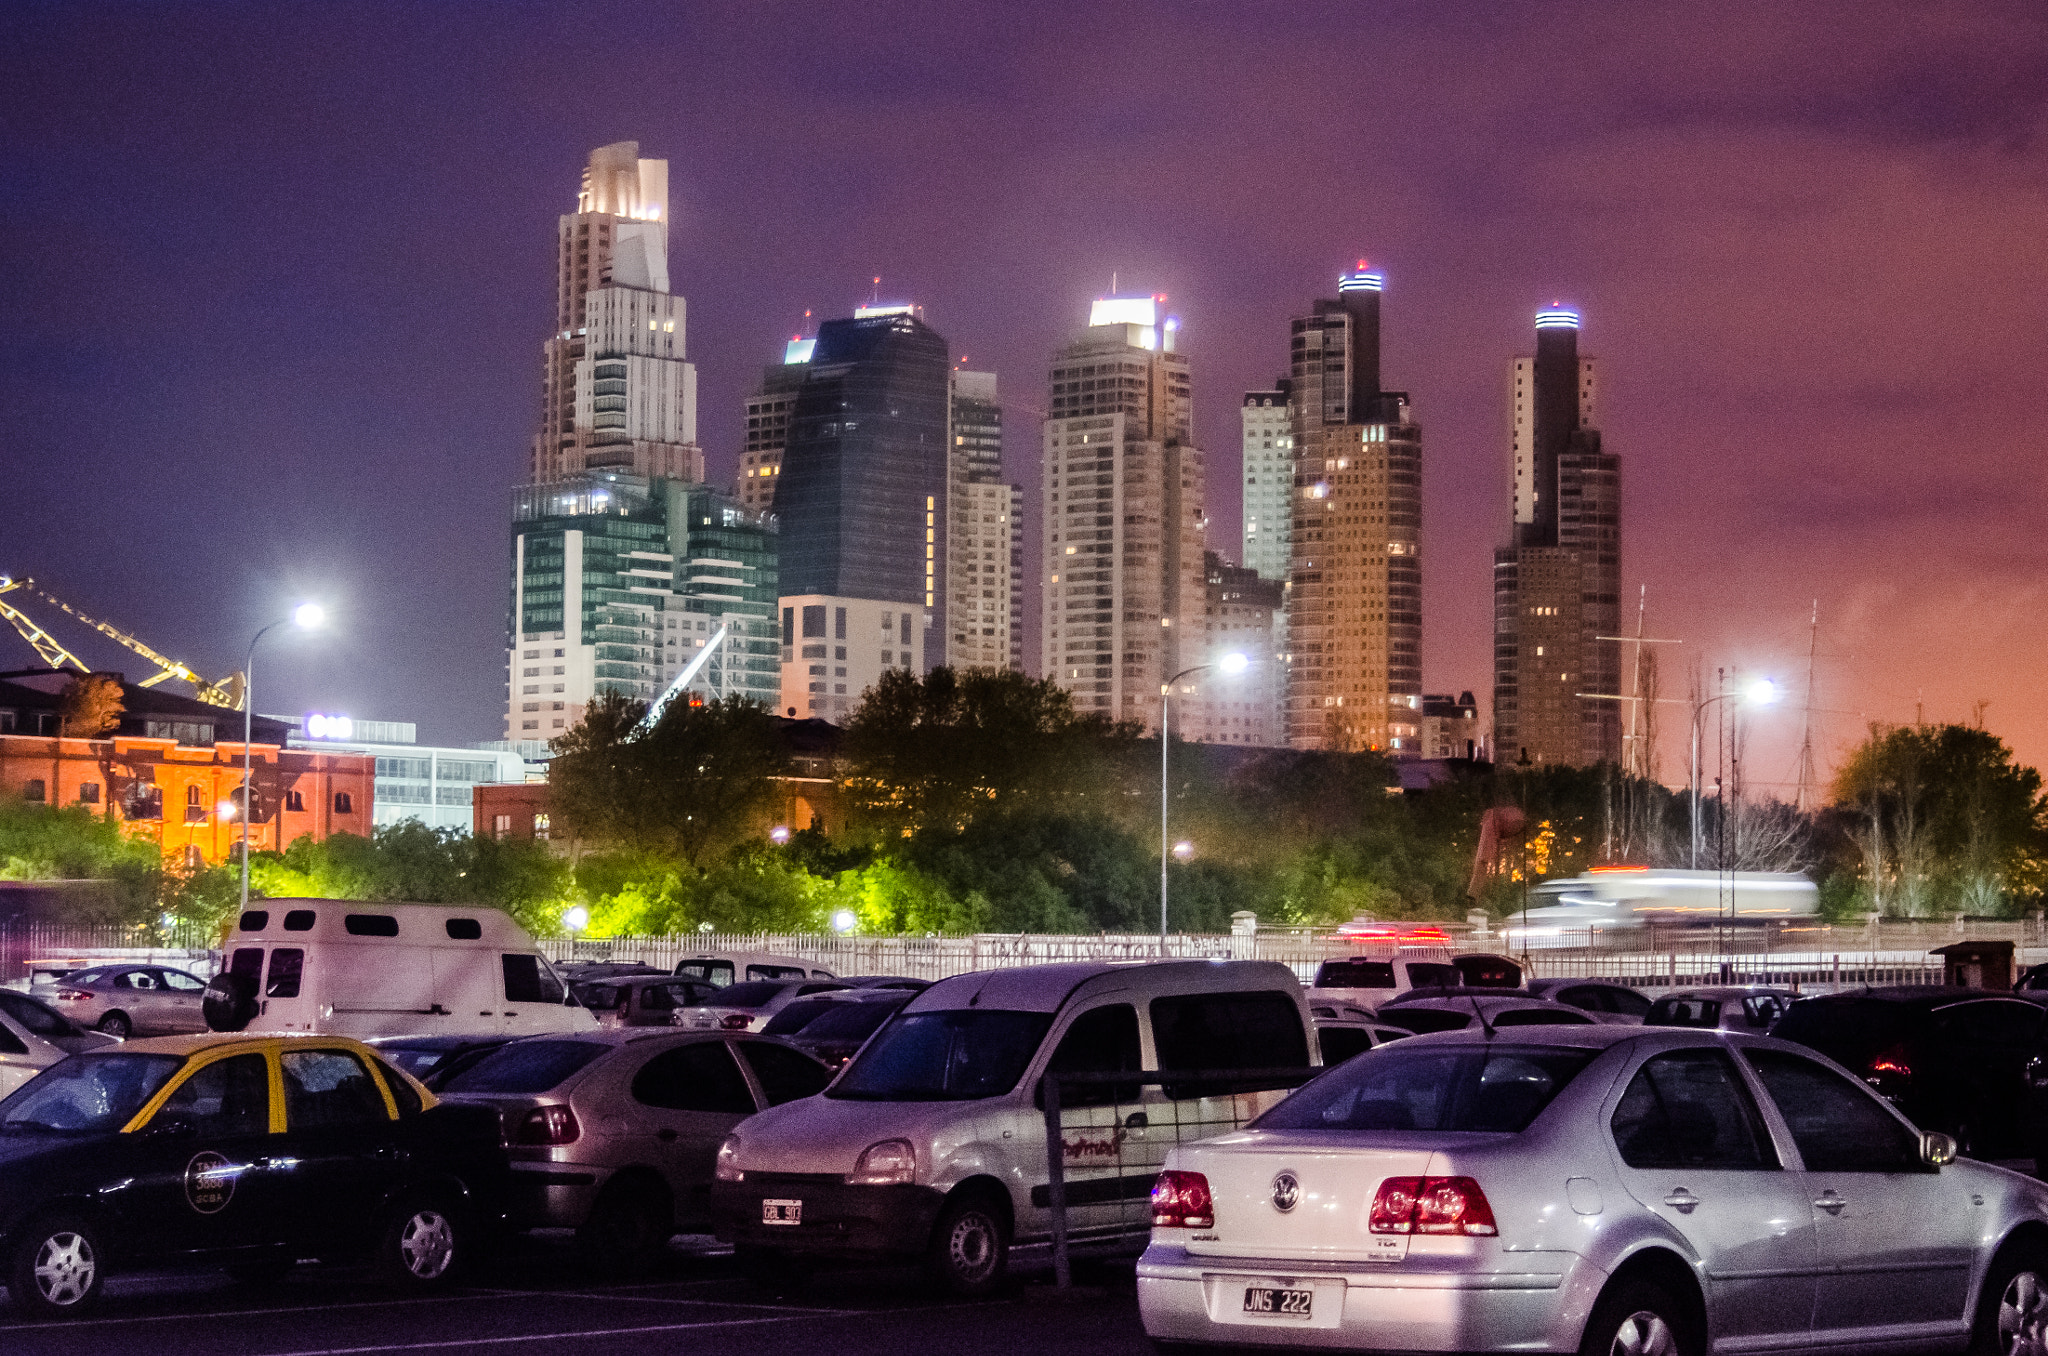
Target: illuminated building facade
834	649
1557	583
978	567
768	414
1268	479
1124	588
1242	614
1017	578
1354	601
619	393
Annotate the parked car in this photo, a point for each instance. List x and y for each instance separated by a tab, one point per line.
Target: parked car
430	1060
34	1036
241	1152
1596	1189
1955	1060
749	1006
376	969
931	1144
1368	981
1606	1000
722	968
1454	1013
1731	1008
641	1000
133	1000
837	1034
614	1133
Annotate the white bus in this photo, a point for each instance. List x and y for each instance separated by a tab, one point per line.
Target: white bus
1613	898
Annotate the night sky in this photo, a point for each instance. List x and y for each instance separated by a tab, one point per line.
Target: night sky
275	280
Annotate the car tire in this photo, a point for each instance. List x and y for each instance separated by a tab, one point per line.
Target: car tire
229	1002
628	1229
2013	1304
58	1267
970	1247
423	1243
117	1025
1640	1318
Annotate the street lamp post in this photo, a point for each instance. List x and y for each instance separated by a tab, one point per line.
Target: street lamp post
1230	663
1761	692
307	617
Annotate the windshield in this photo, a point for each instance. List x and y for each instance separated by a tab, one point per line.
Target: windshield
525	1066
97	1092
945	1057
1446	1087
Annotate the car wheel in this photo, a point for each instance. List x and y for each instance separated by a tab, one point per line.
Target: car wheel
57	1269
1639	1319
628	1228
116	1024
970	1247
2012	1313
421	1244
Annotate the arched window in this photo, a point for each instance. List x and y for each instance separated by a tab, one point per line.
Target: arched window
192	801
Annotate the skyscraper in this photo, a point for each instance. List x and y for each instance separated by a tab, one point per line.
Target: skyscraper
1557	583
980	528
619	393
1354	602
768	412
1268	479
1122	605
724	576
1017	578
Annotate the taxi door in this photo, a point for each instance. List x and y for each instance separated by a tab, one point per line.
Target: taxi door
343	1144
209	1174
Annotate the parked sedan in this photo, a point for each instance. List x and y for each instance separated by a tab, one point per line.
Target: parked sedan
1731	1008
1598	1189
133	1000
1425	1015
34	1036
641	1000
748	1006
1606	1000
615	1133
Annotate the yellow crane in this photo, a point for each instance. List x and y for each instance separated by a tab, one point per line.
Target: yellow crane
227	692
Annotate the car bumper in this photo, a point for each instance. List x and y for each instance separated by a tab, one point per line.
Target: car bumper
838	1220
552	1195
1186	1298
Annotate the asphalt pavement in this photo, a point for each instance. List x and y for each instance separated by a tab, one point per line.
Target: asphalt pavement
538	1296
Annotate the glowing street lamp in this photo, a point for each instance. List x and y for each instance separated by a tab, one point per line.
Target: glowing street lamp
1756	692
1231	664
844	921
307	617
779	834
576	919
1184	851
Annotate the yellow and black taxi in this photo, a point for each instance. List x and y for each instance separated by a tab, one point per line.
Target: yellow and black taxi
240	1152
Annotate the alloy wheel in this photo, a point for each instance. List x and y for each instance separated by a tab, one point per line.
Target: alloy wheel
65	1267
426	1245
2023	1317
1643	1333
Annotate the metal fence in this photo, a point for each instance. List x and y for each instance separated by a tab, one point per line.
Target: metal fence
188	947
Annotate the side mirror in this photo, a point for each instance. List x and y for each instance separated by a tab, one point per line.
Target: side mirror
1936	1150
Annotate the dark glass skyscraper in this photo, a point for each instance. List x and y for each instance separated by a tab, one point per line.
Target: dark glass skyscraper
862	492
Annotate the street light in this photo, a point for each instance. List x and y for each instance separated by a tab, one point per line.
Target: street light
576	919
307	617
1757	692
1232	664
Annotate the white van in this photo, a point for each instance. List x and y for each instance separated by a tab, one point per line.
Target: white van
354	968
932	1142
721	968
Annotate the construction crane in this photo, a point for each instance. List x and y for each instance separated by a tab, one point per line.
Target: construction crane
227	692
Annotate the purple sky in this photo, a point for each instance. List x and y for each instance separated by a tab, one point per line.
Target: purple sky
275	279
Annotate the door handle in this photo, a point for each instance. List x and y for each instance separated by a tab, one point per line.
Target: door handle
1682	1201
665	1135
1830	1202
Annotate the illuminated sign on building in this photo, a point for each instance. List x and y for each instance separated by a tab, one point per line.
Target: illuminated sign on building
329	727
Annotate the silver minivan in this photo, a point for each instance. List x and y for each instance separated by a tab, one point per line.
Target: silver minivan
933	1142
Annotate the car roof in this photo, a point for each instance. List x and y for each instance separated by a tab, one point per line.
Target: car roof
1914	995
1047	988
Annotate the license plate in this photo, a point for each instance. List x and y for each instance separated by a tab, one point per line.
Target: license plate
783	1212
1260	1299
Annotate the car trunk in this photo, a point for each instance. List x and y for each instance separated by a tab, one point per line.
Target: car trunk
1334	1189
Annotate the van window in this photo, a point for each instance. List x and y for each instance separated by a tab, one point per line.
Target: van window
465	929
255	920
370	924
528	981
287	963
718	972
696	1077
952	1056
299	920
775	972
248	964
1102	1040
1355	974
1227	1031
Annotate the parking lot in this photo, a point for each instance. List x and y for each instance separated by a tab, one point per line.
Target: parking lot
538	1292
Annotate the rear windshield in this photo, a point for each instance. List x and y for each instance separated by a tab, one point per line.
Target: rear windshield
1489	972
749	995
1422	1021
1355	974
850	1021
1684	1012
1849	1032
525	1066
796	1016
945	1057
95	1092
1456	1087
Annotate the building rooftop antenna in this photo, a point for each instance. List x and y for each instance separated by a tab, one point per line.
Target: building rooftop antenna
1806	777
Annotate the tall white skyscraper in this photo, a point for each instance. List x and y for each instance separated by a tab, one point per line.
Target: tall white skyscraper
619	391
979	521
1124	594
1268	479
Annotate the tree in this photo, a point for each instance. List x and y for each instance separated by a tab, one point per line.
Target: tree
692	787
89	707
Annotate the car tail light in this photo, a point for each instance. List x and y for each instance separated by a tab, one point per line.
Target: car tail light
1891	1063
71	995
1431	1205
1181	1200
548	1125
734	1021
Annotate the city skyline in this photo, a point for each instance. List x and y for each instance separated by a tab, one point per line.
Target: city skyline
1776	299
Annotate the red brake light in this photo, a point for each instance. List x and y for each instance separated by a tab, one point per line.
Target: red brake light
734	1021
1181	1200
71	995
548	1125
1892	1062
1431	1205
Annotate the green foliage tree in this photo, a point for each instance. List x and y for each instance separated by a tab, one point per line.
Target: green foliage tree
412	862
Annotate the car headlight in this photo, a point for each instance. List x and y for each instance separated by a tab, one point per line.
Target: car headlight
889	1163
728	1169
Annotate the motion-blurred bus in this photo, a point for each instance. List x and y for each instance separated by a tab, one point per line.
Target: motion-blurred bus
1616	898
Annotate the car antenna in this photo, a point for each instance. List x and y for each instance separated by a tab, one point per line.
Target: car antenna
1480	1013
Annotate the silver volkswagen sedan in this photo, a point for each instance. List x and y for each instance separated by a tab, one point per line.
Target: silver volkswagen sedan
1594	1189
